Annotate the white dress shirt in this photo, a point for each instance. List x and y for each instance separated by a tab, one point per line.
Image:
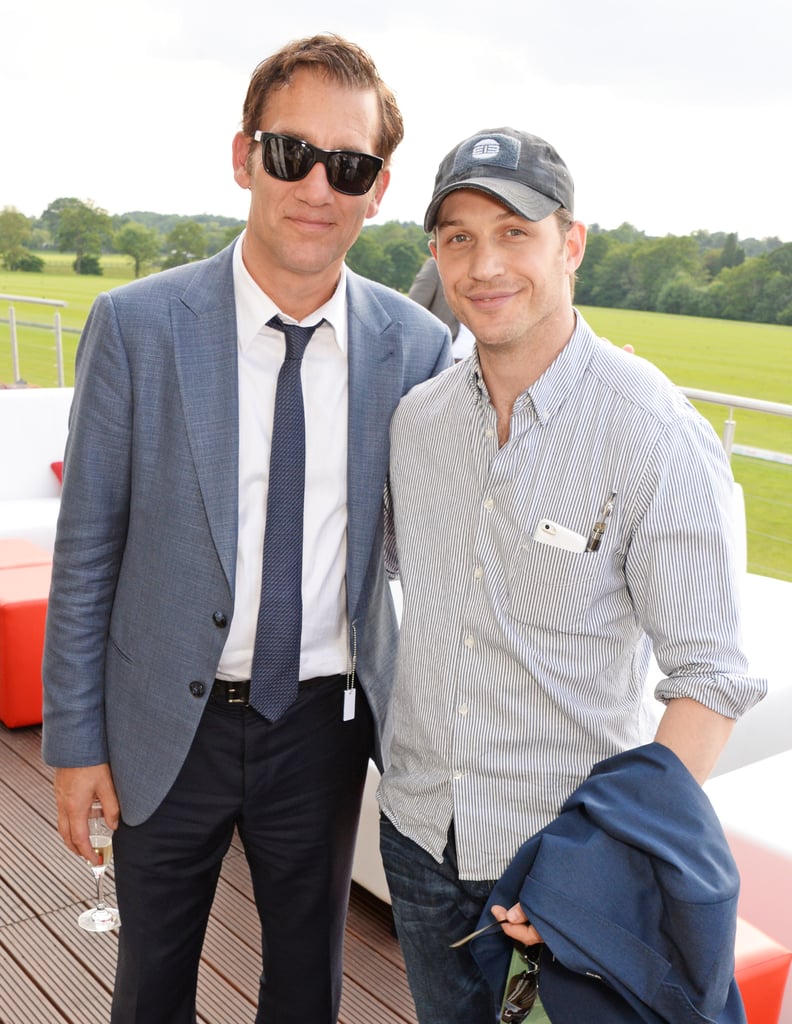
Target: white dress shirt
325	394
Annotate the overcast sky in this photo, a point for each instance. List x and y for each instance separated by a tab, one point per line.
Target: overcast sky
673	116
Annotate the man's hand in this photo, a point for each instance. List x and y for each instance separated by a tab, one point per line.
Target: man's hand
518	927
75	790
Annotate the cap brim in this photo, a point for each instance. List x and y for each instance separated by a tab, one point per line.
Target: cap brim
525	201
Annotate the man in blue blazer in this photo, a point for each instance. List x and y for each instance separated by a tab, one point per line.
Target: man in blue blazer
158	561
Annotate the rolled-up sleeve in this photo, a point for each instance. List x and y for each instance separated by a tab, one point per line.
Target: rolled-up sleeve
683	574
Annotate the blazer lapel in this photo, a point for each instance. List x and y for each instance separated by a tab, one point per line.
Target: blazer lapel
375	387
205	344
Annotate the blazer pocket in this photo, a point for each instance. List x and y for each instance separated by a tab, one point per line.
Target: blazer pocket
115	651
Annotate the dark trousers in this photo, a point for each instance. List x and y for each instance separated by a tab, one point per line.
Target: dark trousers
293	789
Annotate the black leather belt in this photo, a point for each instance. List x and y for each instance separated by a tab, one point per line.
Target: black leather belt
232	691
238	691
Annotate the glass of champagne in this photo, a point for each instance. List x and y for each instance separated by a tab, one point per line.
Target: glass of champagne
101	918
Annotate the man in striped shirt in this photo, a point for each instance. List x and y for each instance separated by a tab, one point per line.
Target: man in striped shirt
559	509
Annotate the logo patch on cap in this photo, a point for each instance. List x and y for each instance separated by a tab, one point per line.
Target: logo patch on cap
486	149
492	150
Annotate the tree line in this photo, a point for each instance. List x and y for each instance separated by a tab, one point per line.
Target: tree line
152	241
702	274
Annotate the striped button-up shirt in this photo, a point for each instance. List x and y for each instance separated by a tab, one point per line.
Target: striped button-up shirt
523	657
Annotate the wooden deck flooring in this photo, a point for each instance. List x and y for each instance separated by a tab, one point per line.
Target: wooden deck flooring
51	972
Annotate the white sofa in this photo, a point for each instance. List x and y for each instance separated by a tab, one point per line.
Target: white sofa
33	427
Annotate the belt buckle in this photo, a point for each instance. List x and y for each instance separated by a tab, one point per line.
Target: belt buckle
234	694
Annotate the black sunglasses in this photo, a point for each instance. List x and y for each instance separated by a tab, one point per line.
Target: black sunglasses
290	159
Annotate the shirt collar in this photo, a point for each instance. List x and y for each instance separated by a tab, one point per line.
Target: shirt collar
254	308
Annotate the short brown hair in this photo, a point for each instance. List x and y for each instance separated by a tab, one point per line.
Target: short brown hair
340	61
564	218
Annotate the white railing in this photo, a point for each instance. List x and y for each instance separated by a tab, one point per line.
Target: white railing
733	402
12	323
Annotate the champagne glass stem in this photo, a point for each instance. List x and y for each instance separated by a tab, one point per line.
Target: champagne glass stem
100	904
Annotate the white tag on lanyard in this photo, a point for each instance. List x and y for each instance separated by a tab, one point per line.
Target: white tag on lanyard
349	703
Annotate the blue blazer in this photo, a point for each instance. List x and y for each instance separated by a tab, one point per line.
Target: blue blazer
145	555
634	891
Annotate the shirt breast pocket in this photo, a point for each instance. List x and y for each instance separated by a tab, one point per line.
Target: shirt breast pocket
551	587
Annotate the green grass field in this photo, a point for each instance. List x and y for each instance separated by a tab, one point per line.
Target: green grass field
752	360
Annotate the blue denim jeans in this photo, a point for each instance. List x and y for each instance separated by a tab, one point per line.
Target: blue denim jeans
432	907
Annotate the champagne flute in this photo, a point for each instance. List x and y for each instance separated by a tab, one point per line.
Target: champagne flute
100	918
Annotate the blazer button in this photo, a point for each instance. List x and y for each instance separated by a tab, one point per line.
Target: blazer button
197	688
220	620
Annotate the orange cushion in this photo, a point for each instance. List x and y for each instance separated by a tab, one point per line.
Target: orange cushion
761	967
23	610
17	551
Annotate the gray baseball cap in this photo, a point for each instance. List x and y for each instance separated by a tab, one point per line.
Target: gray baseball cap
521	170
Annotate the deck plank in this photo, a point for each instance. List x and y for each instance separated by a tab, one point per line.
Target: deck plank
51	972
21	1000
71	982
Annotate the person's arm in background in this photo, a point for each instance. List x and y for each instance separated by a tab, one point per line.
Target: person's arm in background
424	288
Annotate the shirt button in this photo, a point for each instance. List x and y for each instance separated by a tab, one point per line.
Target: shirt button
478	573
489	432
457	776
469	640
463	709
489	504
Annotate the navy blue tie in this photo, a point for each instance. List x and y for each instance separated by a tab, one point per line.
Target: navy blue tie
275	674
